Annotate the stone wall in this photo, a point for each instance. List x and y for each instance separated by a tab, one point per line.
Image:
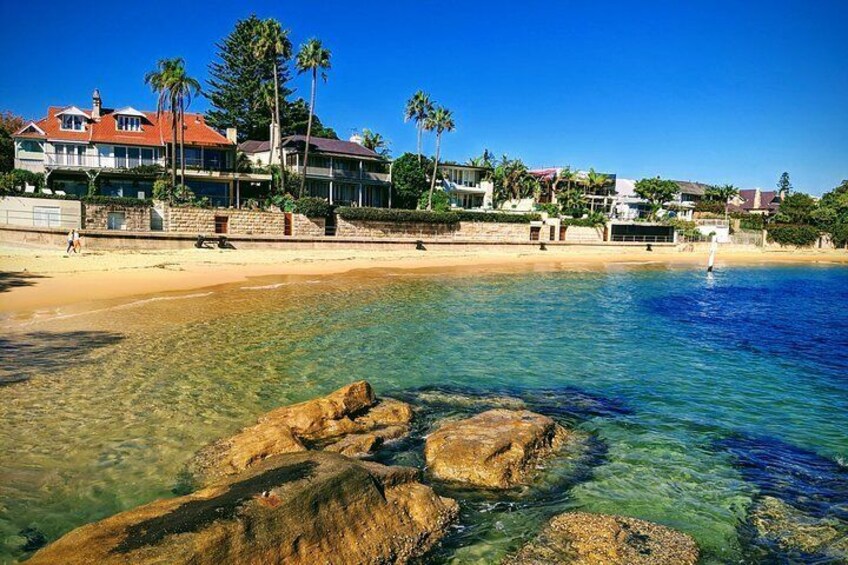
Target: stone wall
136	218
187	219
583	234
470	231
308	227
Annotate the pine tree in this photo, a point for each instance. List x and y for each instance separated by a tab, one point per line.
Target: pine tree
783	184
235	87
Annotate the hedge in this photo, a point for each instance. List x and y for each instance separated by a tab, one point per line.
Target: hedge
581	222
397	215
496	217
41	195
118	201
792	234
312	207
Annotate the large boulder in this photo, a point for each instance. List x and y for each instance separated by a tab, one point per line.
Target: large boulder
350	420
309	507
496	449
578	538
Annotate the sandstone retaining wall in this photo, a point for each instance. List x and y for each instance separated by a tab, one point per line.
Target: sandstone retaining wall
583	234
471	231
136	218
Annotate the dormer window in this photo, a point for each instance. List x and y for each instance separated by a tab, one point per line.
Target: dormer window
72	122
129	123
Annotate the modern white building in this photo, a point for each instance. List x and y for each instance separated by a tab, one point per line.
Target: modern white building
468	187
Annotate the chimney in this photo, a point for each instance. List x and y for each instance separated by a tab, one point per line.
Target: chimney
96	105
356	138
273	143
757	199
232	135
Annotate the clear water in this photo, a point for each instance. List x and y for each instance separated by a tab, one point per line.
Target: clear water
698	395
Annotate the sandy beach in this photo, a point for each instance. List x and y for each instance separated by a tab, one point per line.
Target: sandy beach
44	278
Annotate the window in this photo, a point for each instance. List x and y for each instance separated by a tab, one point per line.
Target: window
31	146
72	123
116	221
129	123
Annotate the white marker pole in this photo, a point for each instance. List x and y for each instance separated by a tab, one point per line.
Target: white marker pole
713	249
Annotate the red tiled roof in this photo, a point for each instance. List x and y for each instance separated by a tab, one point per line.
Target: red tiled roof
154	131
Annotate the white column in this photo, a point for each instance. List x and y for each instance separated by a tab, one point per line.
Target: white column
331	192
360	195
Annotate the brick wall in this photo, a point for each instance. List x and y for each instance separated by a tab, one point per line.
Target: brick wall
136	218
471	231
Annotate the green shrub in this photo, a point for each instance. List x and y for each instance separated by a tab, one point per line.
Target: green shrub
398	215
22	177
593	220
441	201
496	217
711	206
118	201
799	235
312	207
553	210
752	222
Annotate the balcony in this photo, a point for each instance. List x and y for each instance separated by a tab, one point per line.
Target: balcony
77	161
341	174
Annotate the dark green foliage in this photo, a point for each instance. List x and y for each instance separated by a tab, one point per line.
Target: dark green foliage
496	217
118	201
710	206
657	192
312	207
796	208
409	181
752	222
441	201
832	214
9	124
594	220
798	235
553	210
398	215
784	184
295	118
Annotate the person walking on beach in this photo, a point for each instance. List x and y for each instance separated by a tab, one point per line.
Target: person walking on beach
77	242
70	242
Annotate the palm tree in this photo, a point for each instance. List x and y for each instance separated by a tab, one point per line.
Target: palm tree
596	181
439	120
375	142
183	88
160	81
312	57
723	193
418	108
273	43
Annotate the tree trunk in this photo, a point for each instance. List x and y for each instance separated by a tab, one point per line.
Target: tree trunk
277	116
174	147
420	130
309	133
435	169
182	145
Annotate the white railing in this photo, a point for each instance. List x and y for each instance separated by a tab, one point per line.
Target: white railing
71	160
340	173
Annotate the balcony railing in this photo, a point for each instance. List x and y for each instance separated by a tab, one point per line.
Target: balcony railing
327	172
77	161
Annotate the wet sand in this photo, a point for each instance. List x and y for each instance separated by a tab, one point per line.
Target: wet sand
32	279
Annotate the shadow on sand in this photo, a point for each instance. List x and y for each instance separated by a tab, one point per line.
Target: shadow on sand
9	280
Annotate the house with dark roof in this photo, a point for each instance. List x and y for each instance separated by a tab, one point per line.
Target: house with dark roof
756	201
124	150
345	173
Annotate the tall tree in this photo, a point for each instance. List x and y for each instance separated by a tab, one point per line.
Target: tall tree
315	59
184	88
375	142
9	124
597	182
409	181
273	44
512	180
418	108
657	192
236	76
439	120
783	185
296	120
160	81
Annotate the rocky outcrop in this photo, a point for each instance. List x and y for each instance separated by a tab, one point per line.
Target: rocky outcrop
350	420
308	507
578	538
793	530
496	449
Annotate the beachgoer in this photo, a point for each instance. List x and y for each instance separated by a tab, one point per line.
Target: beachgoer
77	242
70	242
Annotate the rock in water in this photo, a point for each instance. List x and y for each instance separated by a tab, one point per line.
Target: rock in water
349	421
496	449
310	507
578	538
793	530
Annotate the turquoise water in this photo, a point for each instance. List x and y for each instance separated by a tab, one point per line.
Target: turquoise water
699	395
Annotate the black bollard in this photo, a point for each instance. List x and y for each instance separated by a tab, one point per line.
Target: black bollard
419	245
649	248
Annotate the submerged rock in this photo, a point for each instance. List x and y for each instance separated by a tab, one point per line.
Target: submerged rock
308	507
497	449
793	530
350	420
579	538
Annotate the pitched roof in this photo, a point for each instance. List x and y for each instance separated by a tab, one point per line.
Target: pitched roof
335	146
769	200
155	131
255	146
694	188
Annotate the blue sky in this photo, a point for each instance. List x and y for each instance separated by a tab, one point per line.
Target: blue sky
715	91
